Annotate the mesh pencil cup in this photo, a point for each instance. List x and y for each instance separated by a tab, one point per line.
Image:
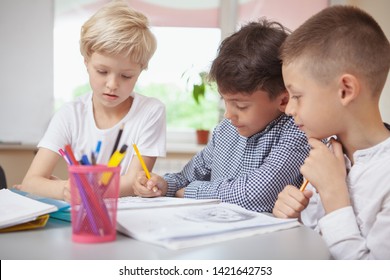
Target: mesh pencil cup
94	197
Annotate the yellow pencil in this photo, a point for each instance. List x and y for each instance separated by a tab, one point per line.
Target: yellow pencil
141	160
303	187
114	161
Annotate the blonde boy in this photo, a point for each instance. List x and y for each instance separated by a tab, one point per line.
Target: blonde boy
335	66
116	44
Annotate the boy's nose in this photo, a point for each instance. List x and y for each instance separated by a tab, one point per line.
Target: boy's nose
290	109
112	83
227	114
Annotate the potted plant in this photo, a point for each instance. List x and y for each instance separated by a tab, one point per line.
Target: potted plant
205	105
198	93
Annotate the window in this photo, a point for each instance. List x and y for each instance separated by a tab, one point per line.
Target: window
181	50
188	34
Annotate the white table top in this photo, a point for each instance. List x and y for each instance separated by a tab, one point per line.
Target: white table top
54	241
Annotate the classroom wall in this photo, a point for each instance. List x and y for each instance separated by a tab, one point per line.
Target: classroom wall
26	72
379	9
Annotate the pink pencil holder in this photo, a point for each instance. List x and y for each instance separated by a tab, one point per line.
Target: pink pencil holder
94	198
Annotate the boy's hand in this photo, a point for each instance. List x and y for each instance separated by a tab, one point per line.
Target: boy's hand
290	203
155	186
325	170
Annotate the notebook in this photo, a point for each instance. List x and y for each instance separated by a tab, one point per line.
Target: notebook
63	212
194	225
17	209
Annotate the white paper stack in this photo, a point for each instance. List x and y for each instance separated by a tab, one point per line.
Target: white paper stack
17	209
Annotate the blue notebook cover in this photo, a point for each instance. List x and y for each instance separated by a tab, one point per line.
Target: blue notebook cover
63	215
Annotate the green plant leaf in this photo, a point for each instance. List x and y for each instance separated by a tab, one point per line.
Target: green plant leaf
198	92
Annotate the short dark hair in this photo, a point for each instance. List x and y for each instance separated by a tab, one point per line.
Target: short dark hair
248	60
337	40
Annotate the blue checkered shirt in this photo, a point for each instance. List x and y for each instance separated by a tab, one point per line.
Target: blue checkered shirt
250	171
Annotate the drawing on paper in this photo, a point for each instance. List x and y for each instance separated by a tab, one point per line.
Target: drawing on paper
216	215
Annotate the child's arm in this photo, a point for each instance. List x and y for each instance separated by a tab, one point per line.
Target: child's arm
257	188
39	179
290	203
325	170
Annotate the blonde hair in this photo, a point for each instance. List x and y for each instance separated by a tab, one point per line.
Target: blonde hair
116	29
337	40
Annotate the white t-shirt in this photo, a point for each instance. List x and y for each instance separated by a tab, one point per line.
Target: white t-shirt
360	231
74	124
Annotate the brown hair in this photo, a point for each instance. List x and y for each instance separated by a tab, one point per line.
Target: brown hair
341	39
118	29
248	60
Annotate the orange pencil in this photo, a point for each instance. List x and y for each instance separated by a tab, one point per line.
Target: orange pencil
303	187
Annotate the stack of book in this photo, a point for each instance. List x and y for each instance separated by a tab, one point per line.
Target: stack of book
20	210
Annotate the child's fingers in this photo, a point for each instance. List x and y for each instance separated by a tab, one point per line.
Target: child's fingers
337	149
151	185
308	194
142	190
316	144
144	187
291	202
283	211
141	178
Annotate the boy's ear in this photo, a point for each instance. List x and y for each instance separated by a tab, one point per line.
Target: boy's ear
282	101
349	89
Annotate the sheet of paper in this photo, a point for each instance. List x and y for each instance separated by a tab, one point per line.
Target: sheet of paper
135	202
194	225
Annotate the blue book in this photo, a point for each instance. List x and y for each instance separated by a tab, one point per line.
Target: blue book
64	215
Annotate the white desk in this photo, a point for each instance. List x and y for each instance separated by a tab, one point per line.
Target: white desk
55	242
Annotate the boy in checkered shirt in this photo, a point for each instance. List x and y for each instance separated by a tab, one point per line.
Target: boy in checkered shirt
256	149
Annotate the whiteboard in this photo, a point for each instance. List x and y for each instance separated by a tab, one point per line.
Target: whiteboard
26	72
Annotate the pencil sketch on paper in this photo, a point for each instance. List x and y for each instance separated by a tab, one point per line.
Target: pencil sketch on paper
216	214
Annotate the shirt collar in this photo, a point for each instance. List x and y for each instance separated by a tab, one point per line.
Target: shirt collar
373	152
259	134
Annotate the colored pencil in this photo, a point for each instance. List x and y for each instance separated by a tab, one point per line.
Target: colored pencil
118	138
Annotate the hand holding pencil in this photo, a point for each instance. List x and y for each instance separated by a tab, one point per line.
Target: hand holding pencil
327	143
153	187
144	167
290	203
